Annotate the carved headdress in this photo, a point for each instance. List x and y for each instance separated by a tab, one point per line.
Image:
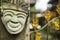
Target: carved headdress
19	5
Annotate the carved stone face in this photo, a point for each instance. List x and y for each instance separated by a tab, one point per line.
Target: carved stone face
14	21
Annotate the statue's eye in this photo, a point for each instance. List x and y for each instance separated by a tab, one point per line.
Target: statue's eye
20	16
8	14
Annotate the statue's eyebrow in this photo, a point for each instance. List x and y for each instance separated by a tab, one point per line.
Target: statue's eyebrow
9	13
18	13
17	10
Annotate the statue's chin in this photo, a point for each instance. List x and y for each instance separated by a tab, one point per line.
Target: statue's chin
14	30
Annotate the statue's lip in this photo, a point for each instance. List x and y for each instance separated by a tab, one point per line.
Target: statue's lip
14	25
14	29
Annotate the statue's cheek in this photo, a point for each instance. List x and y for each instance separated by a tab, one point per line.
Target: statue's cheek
6	18
21	20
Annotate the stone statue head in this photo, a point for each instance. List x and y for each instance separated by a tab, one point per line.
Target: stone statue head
13	17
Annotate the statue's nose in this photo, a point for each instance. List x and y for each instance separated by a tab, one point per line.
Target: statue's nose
14	19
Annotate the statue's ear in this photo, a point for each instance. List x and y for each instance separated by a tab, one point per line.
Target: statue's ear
1	12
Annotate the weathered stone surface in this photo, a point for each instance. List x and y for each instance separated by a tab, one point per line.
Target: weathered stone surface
4	35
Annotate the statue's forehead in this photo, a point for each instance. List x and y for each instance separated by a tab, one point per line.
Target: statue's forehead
12	6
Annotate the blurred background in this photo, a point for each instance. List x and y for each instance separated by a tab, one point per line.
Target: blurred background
45	19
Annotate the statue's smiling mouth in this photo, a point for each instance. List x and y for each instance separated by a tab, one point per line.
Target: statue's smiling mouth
14	24
14	27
